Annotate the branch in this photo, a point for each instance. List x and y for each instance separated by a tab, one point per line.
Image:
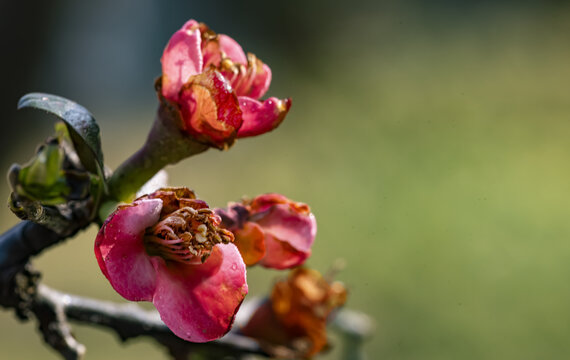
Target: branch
17	246
55	328
24	240
128	321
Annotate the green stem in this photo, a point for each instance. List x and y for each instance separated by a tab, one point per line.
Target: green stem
166	144
134	173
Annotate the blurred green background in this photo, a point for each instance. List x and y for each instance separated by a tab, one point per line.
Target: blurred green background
431	142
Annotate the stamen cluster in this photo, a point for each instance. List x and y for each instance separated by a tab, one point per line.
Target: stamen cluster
241	76
187	229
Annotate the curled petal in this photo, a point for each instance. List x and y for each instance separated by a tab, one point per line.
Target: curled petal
250	242
232	49
261	117
181	59
253	80
218	47
120	251
281	255
284	223
265	201
199	303
210	109
211	53
190	25
261	82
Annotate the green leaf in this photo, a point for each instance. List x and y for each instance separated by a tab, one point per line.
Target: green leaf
82	127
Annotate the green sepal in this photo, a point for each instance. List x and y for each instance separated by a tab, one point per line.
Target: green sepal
43	178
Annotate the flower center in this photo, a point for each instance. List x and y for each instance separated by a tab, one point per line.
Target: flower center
186	235
241	77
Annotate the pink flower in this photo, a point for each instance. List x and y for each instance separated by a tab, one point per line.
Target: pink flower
216	86
271	230
167	248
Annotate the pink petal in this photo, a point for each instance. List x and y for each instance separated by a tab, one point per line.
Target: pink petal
199	302
281	255
120	251
260	83
250	241
285	224
254	81
258	117
263	202
210	109
181	59
232	49
190	25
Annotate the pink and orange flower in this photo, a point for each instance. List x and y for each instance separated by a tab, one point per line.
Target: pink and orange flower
168	248
216	87
271	230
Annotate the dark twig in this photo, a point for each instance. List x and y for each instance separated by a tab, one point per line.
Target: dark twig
55	328
24	240
130	321
17	246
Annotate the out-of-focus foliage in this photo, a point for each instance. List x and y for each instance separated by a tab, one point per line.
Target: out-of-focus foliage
429	140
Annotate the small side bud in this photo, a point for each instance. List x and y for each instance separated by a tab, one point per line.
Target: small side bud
53	188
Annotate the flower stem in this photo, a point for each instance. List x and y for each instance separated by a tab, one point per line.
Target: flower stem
166	144
133	173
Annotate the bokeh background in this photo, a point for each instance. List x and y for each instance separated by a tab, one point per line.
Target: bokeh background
430	138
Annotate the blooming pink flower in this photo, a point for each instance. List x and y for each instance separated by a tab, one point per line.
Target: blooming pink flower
271	230
216	86
168	248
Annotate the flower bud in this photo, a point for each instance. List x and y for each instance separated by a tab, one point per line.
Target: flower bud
54	188
217	87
